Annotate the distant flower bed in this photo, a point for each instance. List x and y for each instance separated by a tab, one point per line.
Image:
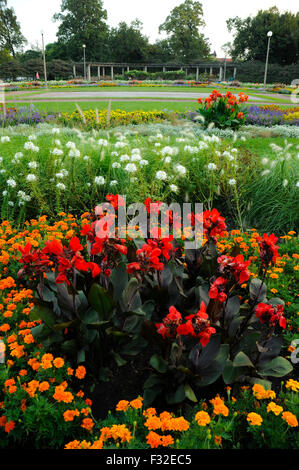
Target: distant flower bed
101	119
23	115
272	115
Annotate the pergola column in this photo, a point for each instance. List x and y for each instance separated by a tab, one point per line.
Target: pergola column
164	69
74	71
220	73
145	68
89	72
99	72
112	72
235	72
128	68
211	70
197	74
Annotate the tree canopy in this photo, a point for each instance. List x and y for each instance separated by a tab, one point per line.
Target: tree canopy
11	38
182	26
250	42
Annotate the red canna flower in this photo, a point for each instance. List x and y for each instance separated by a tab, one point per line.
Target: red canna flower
271	315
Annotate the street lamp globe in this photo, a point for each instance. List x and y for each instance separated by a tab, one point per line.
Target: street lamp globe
269	34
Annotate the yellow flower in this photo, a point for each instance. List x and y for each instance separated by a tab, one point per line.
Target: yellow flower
276	409
254	419
293	385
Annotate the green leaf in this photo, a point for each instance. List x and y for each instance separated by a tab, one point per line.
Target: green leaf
230	373
278	367
190	394
81	356
89	316
211	373
120	361
176	397
158	363
101	301
257	290
119	280
134	347
232	308
41	312
130	296
235	324
242	360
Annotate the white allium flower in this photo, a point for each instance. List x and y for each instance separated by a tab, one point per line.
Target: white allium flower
113	183
143	162
99	180
167	160
55	130
11	182
86	158
135	151
74	153
135	158
32	137
30	146
120	145
212	166
297	184
133	179
264	161
161	175
19	155
168	151
114	154
232	182
11	203
159	136
202	145
4	193
285	183
265	172
234	150
116	165
61	186
130	168
70	145
5	139
124	158
32	165
103	142
56	151
157	144
2	171
180	169
174	188
31	177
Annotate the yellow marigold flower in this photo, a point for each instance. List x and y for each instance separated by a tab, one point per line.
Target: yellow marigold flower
276	409
293	385
122	405
290	419
254	419
202	418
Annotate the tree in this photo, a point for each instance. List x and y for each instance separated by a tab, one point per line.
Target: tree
11	37
83	22
250	41
183	24
127	43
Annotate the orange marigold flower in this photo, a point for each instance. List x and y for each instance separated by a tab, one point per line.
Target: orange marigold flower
58	362
88	424
254	419
293	385
290	419
202	418
153	439
149	412
137	403
218	440
43	386
80	372
122	405
167	441
69	415
9	426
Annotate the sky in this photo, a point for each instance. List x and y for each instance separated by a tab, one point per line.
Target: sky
36	16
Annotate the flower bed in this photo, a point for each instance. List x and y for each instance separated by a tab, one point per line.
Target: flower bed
42	402
24	115
272	115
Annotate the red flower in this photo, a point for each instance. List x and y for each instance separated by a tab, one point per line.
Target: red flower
75	245
268	249
236	266
217	289
271	314
168	328
198	326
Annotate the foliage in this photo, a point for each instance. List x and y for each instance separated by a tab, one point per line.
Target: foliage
182	26
127	44
73	33
254	71
251	39
11	38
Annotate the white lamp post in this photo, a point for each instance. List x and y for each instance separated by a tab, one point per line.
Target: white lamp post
84	48
269	34
44	59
